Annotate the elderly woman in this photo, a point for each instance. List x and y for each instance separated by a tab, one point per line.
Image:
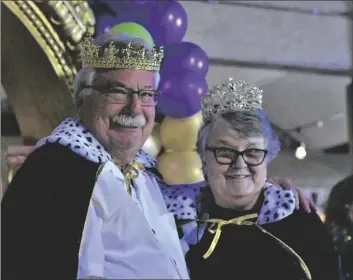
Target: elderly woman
247	228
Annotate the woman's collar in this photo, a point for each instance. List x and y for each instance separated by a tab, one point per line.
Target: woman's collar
184	202
278	204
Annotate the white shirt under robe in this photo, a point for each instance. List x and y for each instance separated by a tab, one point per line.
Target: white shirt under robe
129	236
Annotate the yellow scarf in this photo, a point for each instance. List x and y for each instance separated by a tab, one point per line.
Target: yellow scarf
220	223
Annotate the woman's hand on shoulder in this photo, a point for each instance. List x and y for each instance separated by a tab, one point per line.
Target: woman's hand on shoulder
300	199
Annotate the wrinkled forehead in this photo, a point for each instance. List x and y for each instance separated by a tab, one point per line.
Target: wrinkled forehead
130	78
222	135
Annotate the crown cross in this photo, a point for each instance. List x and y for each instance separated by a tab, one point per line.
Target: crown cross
142	53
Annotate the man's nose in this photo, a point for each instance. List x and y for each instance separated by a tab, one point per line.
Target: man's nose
134	105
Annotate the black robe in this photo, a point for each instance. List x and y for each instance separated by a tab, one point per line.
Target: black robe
43	214
245	253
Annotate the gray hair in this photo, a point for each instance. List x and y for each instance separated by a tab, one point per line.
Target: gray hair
86	76
243	124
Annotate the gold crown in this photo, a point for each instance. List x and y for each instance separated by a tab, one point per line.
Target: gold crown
231	95
126	57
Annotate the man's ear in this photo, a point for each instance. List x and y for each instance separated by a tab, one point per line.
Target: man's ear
87	106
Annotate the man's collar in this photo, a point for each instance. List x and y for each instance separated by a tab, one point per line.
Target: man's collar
72	134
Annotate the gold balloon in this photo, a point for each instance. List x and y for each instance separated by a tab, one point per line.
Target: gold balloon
180	167
180	134
153	144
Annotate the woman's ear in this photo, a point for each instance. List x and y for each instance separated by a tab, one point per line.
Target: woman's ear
203	160
204	166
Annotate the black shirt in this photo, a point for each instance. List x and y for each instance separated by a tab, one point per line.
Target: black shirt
244	252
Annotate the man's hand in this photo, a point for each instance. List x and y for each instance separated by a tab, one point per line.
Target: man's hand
300	199
15	157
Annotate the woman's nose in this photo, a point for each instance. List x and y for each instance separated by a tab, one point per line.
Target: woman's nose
239	163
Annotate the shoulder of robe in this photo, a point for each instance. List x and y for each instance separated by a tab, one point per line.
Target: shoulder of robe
43	214
50	170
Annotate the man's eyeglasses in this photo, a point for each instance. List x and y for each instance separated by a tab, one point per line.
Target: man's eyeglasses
122	95
227	156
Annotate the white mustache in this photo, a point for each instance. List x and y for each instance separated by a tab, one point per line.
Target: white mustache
129	121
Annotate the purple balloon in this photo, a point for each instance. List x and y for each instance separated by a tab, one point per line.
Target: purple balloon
117	4
165	20
181	94
91	2
185	55
104	23
139	11
144	2
152	6
167	24
123	11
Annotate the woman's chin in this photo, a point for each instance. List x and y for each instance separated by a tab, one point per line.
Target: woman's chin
241	190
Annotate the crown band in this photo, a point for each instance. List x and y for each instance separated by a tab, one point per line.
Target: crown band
231	95
127	57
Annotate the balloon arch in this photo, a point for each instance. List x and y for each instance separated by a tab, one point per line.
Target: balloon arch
183	80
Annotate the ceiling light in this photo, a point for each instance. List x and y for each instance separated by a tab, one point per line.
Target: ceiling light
320	124
300	153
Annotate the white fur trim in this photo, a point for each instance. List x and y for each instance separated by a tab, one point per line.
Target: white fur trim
278	204
72	134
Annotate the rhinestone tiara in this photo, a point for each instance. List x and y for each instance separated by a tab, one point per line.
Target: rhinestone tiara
230	95
126	57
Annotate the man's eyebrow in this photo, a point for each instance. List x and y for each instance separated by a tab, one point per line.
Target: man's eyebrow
103	81
115	84
119	84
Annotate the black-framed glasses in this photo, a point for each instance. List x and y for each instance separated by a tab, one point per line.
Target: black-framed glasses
121	95
228	156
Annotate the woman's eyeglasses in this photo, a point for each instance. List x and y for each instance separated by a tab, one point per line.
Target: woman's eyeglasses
122	95
227	156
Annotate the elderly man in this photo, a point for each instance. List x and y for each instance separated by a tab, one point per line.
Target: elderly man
84	205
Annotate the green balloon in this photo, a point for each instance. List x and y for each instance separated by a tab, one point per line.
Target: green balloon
133	29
